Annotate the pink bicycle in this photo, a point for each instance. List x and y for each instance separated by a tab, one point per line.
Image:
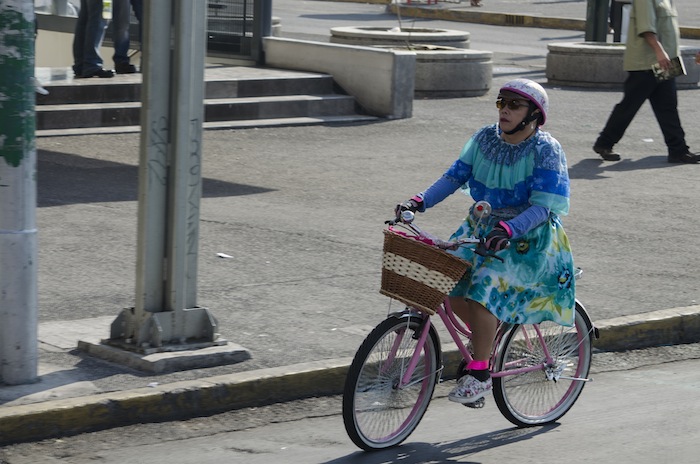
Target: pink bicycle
538	370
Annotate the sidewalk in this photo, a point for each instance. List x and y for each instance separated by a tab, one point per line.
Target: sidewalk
298	210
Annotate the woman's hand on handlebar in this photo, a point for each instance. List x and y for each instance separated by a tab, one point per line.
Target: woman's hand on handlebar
497	239
414	204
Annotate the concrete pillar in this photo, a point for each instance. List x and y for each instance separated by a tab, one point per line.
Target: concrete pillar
18	249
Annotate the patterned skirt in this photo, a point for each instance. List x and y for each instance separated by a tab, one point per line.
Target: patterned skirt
535	281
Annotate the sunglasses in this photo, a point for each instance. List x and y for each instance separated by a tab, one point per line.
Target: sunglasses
511	104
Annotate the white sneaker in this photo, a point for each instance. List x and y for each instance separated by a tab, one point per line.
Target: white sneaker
38	87
469	389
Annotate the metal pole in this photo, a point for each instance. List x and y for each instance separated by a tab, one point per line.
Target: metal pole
597	15
262	27
170	185
186	185
620	18
18	249
154	159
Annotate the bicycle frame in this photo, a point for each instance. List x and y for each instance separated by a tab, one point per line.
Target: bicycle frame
455	328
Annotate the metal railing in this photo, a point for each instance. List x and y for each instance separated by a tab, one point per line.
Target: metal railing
235	28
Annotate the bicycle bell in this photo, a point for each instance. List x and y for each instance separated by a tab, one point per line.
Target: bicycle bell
482	209
407	216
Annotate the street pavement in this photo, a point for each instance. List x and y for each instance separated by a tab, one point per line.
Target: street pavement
613	421
300	210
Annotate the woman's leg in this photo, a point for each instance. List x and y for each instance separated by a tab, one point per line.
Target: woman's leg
477	382
482	323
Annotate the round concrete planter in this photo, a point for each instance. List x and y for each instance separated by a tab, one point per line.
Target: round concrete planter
599	64
445	66
373	36
451	72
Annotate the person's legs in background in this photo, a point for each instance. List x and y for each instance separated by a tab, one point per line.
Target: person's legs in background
37	85
121	20
137	7
79	39
664	103
94	31
637	88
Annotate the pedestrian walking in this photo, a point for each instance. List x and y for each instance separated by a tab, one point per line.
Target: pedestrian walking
653	38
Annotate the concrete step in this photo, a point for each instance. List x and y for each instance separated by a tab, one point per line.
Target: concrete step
213	125
86	115
111	91
234	97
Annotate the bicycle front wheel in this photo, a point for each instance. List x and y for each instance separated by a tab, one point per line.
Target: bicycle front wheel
378	411
544	395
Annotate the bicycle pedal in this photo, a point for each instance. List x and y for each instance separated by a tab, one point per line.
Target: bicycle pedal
478	404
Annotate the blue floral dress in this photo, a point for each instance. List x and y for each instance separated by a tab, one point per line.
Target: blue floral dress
535	283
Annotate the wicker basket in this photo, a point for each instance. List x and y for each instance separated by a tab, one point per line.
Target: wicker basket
418	274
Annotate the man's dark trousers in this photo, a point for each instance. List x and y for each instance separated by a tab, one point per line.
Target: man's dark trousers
640	86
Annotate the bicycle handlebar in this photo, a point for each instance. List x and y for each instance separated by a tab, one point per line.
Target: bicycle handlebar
406	219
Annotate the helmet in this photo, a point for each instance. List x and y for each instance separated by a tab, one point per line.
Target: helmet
532	91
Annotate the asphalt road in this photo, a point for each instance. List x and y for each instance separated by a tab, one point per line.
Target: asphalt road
641	408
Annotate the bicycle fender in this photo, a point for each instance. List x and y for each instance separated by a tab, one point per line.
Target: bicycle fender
587	317
407	313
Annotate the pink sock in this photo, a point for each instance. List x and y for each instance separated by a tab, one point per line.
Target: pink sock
477	365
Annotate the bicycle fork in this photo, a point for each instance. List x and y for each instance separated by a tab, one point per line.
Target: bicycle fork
407	370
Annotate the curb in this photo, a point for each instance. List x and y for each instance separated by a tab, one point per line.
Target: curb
675	326
485	17
180	400
439	12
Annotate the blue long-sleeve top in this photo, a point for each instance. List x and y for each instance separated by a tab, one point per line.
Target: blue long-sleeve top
531	176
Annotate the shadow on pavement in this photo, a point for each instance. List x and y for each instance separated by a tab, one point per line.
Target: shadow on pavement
455	451
65	179
78	378
592	169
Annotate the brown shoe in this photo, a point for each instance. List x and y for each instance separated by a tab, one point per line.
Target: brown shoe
606	153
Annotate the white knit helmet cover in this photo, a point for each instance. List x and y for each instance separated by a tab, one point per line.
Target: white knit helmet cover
532	91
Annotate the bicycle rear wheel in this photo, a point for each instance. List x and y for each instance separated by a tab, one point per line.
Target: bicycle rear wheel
377	412
542	396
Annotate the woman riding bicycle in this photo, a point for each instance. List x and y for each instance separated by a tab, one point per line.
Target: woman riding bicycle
521	171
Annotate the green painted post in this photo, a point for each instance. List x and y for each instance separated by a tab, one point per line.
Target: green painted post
18	251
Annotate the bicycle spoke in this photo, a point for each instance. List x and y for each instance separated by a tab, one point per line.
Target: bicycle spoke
541	371
383	400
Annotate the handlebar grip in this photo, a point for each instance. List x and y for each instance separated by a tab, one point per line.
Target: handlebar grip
481	250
